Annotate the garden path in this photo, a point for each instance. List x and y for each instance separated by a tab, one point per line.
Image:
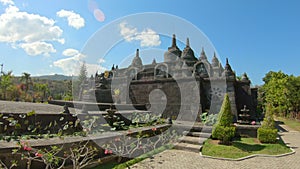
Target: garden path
177	159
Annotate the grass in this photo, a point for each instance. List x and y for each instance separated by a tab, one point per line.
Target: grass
294	124
242	148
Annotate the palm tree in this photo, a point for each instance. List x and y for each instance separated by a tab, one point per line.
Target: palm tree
43	88
26	77
6	82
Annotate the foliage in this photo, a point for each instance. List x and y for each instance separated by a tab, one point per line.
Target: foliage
223	129
209	119
5	82
204	117
225	116
268	119
132	146
282	91
41	90
33	89
81	154
27	79
267	133
144	118
79	81
225	134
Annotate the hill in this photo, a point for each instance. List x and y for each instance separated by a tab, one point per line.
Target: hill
54	77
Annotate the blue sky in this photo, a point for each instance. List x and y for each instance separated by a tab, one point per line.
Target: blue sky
47	37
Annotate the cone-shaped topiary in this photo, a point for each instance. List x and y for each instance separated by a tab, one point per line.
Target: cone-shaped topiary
224	130
267	133
268	120
225	116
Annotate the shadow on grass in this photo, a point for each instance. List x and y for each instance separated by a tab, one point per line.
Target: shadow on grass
248	147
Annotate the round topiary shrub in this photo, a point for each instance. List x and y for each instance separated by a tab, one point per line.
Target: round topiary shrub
225	134
267	135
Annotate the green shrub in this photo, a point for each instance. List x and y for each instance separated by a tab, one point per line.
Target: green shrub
211	119
225	134
225	116
223	129
267	135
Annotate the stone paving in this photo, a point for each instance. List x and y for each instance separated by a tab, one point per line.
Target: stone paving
177	159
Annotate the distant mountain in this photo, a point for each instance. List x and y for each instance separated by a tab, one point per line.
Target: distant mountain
53	77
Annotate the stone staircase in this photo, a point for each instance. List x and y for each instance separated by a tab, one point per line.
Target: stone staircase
194	138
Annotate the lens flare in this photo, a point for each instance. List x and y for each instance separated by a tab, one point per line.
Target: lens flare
99	15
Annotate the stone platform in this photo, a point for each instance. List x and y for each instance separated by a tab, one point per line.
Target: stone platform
25	107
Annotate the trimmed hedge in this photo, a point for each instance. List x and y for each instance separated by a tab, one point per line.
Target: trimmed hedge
267	135
225	134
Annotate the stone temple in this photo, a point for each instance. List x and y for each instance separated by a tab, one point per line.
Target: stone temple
137	82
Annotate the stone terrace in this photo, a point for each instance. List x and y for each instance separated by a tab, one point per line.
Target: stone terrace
25	107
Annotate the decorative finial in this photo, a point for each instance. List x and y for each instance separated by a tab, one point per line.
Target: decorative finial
202	51
203	55
113	67
187	42
174	41
137	53
227	63
154	62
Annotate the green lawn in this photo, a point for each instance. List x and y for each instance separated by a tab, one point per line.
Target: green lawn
243	148
294	124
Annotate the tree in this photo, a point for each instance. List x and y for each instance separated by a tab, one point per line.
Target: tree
27	79
42	88
6	82
79	81
282	91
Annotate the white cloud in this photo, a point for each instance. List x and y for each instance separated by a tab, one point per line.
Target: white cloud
72	64
7	2
70	52
74	19
93	68
147	37
101	60
22	29
37	48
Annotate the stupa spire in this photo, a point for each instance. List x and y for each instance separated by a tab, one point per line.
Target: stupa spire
187	42
174	41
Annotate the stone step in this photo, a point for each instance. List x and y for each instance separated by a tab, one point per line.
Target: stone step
207	129
190	139
205	135
188	147
198	134
196	129
194	134
202	140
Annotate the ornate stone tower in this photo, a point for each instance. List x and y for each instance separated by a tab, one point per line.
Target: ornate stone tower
173	52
